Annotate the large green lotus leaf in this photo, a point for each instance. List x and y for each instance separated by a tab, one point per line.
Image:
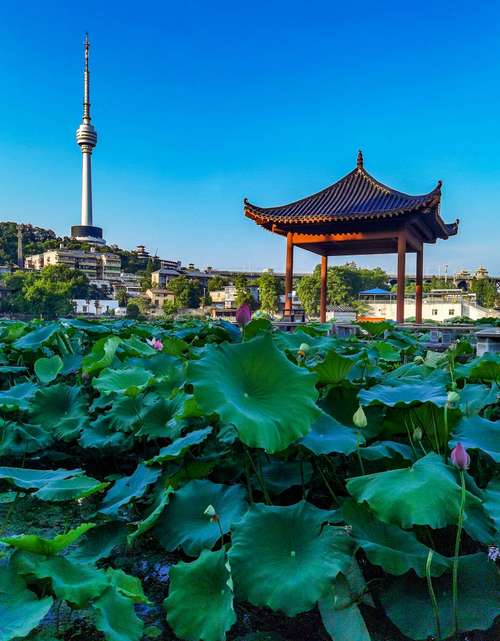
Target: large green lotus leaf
483	368
376	329
477	433
12	330
474	397
101	355
26	479
128	488
334	369
181	445
404	394
116	617
155	420
70	489
98	435
19	439
199	605
184	523
387	449
150	521
340	614
429	418
18	397
291	341
49	547
342	402
408	605
282	557
387	351
129	381
134	346
20	610
396	551
37	338
74	582
47	369
252	385
492	502
72	363
328	435
100	541
127	411
425	494
255	327
282	475
61	409
88	326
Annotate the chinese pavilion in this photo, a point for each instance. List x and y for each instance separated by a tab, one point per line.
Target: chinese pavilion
358	215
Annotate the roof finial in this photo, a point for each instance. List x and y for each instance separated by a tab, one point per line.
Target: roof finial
360	159
86	88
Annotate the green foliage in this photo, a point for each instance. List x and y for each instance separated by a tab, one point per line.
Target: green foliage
187	291
217	283
240	451
243	293
269	291
486	292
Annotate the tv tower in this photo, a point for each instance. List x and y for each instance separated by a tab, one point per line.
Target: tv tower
86	137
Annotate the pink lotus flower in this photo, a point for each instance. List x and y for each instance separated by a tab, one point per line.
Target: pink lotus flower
243	315
155	343
459	457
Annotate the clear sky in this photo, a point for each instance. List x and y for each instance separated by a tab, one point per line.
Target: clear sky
199	104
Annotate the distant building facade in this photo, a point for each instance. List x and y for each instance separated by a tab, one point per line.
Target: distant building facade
95	265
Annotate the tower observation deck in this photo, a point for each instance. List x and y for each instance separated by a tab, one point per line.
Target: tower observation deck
86	138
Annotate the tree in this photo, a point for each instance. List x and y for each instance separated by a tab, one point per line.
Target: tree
216	283
485	290
243	293
169	308
122	297
268	292
133	310
308	291
186	290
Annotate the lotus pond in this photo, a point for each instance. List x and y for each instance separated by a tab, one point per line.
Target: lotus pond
194	481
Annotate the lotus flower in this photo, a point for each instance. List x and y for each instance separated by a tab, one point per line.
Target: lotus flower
459	457
359	418
155	343
243	315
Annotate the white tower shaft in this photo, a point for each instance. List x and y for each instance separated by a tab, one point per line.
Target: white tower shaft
86	187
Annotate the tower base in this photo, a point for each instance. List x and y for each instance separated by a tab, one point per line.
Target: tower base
88	234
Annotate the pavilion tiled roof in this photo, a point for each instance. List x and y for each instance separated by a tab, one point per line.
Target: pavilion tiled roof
356	196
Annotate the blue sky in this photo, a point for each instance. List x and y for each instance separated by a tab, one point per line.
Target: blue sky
199	104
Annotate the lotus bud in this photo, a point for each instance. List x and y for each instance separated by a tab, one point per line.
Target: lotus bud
359	418
459	457
243	315
210	511
417	434
304	347
453	397
418	360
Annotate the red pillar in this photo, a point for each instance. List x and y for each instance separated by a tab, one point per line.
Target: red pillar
322	297
419	284
400	299
289	274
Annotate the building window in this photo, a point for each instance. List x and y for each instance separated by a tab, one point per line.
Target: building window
451	312
84	308
434	312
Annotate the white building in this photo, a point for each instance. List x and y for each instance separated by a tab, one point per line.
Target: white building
96	307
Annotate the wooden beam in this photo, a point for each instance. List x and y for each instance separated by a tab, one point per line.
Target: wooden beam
418	285
289	274
304	239
400	298
322	298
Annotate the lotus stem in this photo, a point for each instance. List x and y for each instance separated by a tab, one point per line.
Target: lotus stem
260	477
432	595
328	486
361	465
456	555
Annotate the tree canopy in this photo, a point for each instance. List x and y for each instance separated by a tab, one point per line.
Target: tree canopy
187	291
269	291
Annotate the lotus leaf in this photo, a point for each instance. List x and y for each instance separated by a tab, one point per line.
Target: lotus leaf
404	394
150	520
282	475
134	346
477	433
70	489
100	541
74	582
20	610
49	547
282	557
128	585
327	435
199	605
155	419
61	409
387	449
270	401
102	355
181	445
35	339
129	381
19	439
483	368
474	397
184	522
408	606
340	614
334	369
26	479
492	502
17	397
128	488
47	369
396	550
116	617
425	494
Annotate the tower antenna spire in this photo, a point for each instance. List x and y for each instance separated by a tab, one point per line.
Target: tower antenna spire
86	83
